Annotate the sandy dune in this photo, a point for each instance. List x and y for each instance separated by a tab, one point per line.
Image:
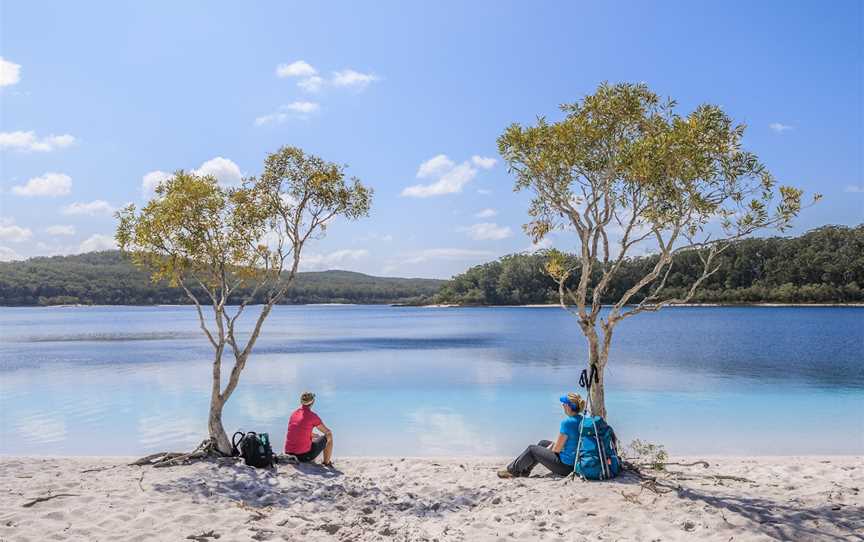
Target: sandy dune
810	498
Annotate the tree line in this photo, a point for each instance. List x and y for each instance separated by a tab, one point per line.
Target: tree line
825	265
109	278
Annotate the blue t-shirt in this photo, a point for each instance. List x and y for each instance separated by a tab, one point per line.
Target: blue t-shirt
570	427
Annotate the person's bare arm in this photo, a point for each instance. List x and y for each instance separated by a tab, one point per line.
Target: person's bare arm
325	430
559	444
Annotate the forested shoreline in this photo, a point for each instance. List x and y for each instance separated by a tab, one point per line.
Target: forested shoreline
109	278
825	265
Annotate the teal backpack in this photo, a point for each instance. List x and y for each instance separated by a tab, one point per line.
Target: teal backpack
597	449
596	454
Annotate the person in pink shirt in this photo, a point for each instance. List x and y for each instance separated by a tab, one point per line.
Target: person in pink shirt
299	440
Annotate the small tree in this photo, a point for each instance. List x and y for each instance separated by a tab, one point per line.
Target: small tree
622	170
217	242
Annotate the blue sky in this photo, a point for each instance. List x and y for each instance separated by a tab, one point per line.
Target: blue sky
97	95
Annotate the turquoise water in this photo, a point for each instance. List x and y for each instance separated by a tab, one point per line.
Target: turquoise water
419	381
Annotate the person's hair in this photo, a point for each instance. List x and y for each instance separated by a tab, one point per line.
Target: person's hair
577	401
307	398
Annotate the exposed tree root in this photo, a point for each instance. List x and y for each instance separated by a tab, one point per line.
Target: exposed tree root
169	459
48	498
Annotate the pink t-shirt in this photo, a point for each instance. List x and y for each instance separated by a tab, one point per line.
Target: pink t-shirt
298	440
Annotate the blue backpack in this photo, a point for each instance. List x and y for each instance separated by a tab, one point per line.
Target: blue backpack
596	453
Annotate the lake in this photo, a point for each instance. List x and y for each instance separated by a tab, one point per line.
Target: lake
404	381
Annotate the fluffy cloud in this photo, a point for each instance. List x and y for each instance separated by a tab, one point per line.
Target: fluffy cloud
10	232
486	213
780	128
10	73
310	81
50	184
29	141
311	84
483	162
97	242
451	177
151	180
299	68
300	110
92	208
225	170
60	230
488	231
435	166
352	79
319	262
447	254
8	255
542	244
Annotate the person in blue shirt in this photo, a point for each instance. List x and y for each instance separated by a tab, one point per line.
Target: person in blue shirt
559	456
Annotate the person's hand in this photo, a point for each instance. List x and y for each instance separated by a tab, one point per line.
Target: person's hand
551	444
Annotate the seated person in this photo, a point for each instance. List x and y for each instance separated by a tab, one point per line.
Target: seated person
558	456
299	441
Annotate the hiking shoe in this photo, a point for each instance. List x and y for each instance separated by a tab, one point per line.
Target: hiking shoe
504	473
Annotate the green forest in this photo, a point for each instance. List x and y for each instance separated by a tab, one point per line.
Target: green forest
108	278
825	265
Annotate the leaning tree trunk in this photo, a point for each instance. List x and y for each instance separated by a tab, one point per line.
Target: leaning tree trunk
217	403
214	425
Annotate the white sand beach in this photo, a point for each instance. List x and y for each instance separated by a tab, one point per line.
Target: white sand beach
782	498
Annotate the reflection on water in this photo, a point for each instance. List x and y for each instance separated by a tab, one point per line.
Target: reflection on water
411	381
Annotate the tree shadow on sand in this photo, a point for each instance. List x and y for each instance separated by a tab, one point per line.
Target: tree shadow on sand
780	520
298	484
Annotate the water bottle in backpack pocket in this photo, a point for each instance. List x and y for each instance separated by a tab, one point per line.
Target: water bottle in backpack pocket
596	453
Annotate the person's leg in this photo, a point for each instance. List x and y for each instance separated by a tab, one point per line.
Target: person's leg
328	450
525	462
551	461
319	443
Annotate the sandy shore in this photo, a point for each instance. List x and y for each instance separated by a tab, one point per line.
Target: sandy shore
784	498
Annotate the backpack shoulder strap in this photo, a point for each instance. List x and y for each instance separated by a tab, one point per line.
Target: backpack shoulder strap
236	442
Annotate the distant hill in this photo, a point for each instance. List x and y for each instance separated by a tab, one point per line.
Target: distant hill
108	278
825	265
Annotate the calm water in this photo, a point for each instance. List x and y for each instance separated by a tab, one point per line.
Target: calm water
414	381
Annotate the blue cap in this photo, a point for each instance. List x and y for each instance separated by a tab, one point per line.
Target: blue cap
566	401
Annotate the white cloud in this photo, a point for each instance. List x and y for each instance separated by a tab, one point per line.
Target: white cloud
311	84
451	178
151	180
447	254
29	141
435	167
299	68
352	79
320	262
92	208
483	162
60	230
854	189
97	242
780	128
224	170
10	232
10	73
486	213
484	191
486	231
8	255
299	110
50	184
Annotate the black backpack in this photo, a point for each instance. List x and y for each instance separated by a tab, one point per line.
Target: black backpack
255	449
